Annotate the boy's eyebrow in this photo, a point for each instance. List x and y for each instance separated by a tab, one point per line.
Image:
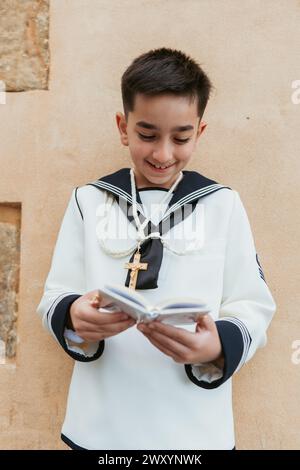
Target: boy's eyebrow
146	125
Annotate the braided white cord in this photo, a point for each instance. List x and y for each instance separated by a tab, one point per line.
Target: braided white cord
102	234
140	236
134	204
192	249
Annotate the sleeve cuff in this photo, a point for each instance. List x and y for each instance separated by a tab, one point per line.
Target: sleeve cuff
72	344
235	340
206	372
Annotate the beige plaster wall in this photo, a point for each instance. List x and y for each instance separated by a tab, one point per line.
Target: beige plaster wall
55	139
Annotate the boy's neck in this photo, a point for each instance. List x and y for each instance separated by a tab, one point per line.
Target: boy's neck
148	184
140	188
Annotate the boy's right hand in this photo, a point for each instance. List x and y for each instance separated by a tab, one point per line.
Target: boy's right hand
92	325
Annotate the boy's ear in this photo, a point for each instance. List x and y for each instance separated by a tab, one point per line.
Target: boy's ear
122	126
201	128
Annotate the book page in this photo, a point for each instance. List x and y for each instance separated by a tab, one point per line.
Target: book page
129	302
183	303
127	293
174	311
180	317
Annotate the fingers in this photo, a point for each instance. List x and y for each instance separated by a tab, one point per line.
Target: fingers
96	298
163	342
106	327
161	348
87	326
114	328
183	346
92	296
110	318
95	316
92	315
93	325
205	322
90	332
84	312
174	333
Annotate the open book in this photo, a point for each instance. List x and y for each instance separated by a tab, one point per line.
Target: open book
173	311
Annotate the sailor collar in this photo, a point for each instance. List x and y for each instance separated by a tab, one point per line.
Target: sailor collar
145	262
192	187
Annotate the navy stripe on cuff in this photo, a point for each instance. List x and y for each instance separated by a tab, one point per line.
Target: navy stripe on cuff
58	324
233	347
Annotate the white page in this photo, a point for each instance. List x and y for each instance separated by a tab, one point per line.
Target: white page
174	311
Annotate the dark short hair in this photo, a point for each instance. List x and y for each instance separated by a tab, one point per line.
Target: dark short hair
165	71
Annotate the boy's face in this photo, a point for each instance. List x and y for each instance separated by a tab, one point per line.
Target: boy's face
158	150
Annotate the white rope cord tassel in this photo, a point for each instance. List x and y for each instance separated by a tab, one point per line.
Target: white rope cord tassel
102	233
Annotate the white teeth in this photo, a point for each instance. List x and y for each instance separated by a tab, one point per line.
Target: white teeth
160	166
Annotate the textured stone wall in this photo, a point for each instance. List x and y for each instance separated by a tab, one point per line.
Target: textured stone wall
24	44
9	275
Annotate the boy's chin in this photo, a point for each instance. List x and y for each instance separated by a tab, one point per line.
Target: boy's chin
161	180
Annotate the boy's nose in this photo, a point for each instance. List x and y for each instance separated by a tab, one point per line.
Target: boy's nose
162	155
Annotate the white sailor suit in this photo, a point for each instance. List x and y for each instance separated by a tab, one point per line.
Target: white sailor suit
124	392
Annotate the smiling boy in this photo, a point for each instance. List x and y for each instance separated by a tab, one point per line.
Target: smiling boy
160	151
156	386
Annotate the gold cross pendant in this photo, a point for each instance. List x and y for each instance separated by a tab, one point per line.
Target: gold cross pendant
135	266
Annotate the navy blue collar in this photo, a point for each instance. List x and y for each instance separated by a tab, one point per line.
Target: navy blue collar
192	186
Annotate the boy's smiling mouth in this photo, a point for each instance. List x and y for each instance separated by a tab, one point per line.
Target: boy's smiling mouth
159	168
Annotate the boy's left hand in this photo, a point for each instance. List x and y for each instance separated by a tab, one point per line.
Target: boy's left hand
184	346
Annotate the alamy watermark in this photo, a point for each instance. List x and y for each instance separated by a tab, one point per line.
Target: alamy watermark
2	92
295	97
295	358
120	224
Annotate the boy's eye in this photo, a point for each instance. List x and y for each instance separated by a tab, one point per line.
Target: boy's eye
150	137
146	136
182	141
